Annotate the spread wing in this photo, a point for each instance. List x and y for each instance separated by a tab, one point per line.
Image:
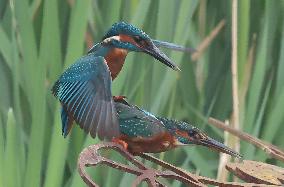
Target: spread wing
84	91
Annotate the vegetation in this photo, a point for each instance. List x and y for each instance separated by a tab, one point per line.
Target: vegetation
39	38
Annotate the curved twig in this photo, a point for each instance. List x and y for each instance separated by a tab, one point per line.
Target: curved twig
91	157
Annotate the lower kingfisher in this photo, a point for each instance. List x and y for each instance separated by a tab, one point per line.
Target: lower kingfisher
142	132
84	89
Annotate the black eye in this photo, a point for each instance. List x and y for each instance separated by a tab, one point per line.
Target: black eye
192	133
138	39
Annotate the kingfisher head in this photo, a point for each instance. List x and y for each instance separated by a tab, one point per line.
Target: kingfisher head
186	134
126	36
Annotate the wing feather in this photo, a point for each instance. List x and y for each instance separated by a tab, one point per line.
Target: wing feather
82	112
93	129
101	123
82	101
79	97
84	91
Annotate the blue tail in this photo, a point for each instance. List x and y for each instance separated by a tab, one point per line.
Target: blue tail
66	122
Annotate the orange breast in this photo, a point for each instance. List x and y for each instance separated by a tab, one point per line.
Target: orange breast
115	60
159	143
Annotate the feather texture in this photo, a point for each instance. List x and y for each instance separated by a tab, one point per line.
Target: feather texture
135	122
84	91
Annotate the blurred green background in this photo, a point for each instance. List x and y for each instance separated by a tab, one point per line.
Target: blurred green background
39	38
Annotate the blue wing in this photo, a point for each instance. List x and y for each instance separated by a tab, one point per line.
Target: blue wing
84	91
135	122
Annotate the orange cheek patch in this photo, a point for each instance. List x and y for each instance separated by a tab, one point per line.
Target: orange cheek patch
125	38
182	133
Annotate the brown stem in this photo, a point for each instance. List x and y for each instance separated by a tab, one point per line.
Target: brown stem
270	149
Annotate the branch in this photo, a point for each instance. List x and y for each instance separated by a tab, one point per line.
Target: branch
270	149
91	157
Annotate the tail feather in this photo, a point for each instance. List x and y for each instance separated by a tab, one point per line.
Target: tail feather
67	122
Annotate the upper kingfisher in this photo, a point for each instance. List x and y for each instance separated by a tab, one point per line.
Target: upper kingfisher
84	89
142	132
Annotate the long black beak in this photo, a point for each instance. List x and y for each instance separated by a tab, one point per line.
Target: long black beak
155	52
217	146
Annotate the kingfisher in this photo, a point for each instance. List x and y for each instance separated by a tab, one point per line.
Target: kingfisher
142	132
84	89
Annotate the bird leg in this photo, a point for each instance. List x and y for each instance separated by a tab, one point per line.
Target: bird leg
120	142
119	97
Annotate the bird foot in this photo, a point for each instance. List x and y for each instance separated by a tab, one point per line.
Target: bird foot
120	142
119	98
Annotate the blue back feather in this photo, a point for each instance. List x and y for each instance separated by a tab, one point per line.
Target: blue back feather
135	122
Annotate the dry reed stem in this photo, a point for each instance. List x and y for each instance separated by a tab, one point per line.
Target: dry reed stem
89	39
207	41
222	174
270	149
202	18
234	68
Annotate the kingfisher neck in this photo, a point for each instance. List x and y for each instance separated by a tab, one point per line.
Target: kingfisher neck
115	58
100	50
